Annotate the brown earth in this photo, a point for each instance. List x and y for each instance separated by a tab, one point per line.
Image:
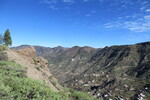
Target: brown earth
36	67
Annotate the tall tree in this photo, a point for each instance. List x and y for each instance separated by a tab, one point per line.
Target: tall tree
7	38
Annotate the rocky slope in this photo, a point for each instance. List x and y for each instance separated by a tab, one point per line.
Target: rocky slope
36	67
63	62
110	72
122	71
24	76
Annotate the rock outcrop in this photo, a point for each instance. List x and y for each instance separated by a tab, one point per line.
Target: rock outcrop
36	67
28	52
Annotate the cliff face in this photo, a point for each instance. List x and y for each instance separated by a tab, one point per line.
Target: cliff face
36	67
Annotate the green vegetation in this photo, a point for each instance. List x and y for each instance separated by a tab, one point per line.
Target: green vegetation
14	85
3	47
3	54
7	38
77	95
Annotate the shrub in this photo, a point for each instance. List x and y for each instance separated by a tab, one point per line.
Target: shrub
77	95
3	47
14	85
3	56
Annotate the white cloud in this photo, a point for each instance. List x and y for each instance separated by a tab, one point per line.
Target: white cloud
57	1
144	2
147	17
147	10
137	22
142	8
50	1
138	25
53	7
88	15
108	25
68	1
53	4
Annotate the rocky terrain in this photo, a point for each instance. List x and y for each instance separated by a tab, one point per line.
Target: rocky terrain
36	67
116	72
24	76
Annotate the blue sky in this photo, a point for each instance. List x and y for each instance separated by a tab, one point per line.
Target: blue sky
95	23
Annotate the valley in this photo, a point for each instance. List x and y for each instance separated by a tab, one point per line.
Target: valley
109	73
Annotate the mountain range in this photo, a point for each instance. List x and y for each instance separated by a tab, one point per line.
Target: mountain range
24	76
109	73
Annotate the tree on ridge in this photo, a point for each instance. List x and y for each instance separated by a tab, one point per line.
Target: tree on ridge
7	38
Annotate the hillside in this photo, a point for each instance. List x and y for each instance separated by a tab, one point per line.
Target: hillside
110	72
122	71
27	77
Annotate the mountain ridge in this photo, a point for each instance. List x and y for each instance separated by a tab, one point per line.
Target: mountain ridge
24	76
114	70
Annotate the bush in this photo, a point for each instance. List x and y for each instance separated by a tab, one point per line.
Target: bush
2	47
14	85
77	95
3	56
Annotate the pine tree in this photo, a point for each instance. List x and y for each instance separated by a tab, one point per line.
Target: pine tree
7	38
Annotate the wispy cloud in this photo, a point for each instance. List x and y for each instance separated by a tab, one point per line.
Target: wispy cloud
53	3
136	22
50	1
109	25
68	1
56	1
88	15
147	10
139	25
53	7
